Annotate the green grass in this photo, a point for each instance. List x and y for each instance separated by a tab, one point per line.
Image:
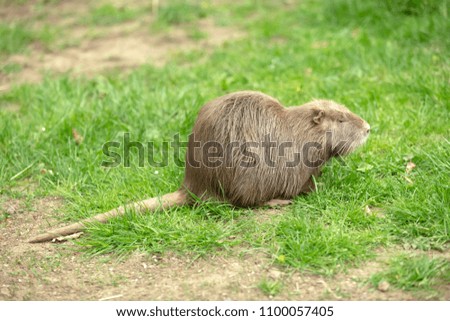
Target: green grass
109	14
197	34
4	217
14	38
13	2
10	68
414	273
209	227
181	11
270	288
389	65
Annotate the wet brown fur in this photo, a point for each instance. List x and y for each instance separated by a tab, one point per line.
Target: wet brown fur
251	116
242	177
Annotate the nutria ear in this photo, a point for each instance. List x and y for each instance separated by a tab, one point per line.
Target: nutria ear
318	118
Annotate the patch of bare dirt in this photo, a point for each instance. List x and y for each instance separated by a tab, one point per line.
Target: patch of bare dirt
59	272
89	50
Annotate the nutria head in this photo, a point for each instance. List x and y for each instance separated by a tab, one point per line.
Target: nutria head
344	130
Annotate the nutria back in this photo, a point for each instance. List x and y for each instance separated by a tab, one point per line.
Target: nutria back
247	149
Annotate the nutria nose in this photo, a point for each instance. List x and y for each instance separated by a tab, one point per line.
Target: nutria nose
367	128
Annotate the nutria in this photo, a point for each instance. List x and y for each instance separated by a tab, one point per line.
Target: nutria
248	150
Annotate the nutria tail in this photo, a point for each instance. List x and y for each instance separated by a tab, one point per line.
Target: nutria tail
177	198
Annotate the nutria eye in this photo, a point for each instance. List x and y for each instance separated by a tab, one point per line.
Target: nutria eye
341	120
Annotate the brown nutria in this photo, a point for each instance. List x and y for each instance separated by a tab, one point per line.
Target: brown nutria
248	150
